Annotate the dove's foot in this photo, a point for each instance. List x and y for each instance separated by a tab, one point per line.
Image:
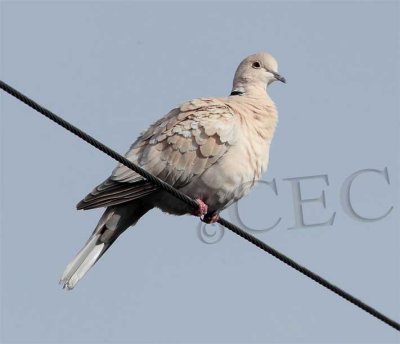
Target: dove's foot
211	217
202	209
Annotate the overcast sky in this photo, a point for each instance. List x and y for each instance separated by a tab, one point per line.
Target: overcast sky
113	68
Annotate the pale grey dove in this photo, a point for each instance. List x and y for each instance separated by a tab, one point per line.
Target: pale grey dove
212	149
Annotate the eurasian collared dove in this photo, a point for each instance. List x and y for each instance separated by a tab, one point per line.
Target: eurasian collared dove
212	149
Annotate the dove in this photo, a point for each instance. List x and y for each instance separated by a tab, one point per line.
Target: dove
212	149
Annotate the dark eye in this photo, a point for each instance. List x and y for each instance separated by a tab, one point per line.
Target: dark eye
256	64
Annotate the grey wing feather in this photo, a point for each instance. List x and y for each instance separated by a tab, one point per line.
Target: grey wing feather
112	193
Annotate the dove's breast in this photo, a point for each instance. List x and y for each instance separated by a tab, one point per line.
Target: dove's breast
241	167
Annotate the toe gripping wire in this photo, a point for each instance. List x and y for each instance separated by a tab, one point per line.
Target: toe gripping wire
192	203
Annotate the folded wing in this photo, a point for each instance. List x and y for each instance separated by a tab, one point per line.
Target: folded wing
176	149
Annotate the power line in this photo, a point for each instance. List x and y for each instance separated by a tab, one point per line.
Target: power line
191	202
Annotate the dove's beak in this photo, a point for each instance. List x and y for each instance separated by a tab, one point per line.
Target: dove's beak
279	78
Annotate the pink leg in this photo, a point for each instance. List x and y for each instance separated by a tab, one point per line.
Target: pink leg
211	218
202	209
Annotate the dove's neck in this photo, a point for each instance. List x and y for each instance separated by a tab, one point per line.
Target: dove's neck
254	90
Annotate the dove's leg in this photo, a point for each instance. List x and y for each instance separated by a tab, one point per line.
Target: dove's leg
211	217
202	209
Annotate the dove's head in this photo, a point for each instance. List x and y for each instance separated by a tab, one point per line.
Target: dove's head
255	73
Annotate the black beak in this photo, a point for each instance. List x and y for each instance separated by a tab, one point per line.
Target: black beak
279	78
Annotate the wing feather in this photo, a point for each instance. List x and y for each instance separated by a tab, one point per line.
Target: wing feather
179	146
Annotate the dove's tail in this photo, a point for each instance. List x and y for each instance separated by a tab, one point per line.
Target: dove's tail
112	224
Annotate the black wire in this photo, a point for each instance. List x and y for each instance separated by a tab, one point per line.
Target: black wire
189	201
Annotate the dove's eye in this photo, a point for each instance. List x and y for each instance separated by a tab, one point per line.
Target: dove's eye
256	64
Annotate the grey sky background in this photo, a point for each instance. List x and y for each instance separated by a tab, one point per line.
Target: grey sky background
112	68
